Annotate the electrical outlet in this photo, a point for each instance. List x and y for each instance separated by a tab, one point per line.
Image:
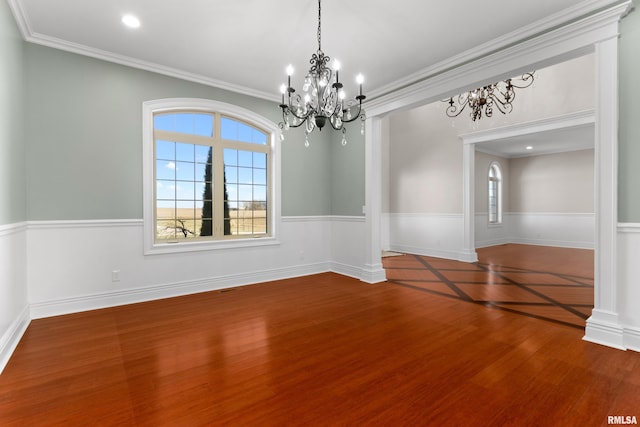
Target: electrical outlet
115	276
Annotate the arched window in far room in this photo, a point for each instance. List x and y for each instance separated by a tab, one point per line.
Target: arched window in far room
495	194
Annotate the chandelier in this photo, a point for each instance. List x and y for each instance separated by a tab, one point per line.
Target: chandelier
322	99
482	101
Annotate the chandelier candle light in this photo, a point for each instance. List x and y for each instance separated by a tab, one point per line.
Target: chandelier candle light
482	100
323	99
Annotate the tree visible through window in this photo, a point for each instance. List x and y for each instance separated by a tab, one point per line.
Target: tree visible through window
495	194
210	176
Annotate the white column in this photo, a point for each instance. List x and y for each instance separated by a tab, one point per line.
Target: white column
603	326
373	272
469	253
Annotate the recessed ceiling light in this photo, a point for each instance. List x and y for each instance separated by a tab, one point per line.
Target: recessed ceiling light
130	21
528	147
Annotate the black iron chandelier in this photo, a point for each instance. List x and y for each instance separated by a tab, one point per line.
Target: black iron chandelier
482	101
323	100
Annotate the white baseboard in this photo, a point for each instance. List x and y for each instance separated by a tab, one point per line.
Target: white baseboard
430	252
167	290
494	242
613	335
554	243
566	230
10	339
308	245
603	327
346	270
14	301
632	338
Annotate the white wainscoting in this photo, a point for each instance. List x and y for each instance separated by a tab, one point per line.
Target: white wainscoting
14	304
348	240
491	234
628	270
437	235
570	230
441	235
71	263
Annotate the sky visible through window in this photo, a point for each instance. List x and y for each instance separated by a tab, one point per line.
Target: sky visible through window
181	169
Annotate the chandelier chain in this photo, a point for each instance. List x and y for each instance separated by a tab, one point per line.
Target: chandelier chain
319	26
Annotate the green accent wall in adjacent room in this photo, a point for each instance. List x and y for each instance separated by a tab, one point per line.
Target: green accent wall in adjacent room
12	154
629	130
84	130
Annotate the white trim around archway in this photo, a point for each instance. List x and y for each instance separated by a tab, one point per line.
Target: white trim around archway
596	30
470	140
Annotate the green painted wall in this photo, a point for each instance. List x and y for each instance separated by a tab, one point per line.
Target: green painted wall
629	131
347	172
84	130
306	174
12	153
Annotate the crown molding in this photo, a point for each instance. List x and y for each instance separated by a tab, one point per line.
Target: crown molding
30	36
532	30
570	120
21	18
562	35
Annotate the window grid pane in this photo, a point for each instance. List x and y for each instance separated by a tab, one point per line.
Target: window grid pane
245	193
189	123
184	184
184	198
239	131
493	193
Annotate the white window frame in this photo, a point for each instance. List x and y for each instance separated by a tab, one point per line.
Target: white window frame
149	108
498	179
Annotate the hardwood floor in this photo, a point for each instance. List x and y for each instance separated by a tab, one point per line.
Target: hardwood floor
551	284
319	350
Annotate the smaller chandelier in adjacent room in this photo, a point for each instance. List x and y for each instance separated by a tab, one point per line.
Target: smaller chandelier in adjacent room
484	100
323	99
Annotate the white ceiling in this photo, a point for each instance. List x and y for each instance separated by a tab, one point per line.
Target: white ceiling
547	142
246	44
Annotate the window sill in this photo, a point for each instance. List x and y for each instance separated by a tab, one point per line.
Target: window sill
181	247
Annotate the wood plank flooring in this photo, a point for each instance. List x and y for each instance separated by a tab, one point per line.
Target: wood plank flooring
547	283
321	350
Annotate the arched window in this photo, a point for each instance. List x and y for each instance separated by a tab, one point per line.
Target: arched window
209	178
495	194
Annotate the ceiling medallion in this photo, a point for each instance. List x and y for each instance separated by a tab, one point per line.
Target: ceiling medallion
482	101
322	99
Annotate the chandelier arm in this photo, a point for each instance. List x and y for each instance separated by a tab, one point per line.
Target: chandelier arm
504	99
454	110
297	125
353	117
502	106
286	111
527	78
291	109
